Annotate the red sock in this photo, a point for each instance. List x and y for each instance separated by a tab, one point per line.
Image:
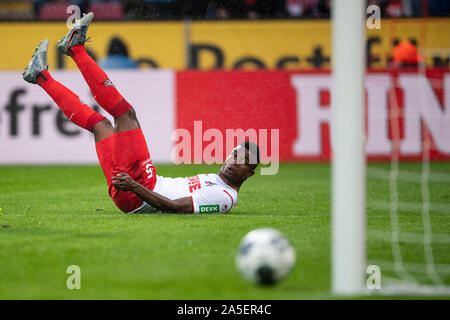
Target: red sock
101	87
69	102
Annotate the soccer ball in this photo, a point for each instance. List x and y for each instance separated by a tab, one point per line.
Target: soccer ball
265	256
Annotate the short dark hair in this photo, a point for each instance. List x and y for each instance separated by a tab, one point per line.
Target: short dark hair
252	148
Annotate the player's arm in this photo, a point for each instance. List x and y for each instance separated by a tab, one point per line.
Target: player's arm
123	181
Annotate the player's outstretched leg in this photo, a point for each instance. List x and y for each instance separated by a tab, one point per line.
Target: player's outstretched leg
102	89
37	72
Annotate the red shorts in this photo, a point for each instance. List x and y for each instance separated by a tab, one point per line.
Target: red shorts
126	152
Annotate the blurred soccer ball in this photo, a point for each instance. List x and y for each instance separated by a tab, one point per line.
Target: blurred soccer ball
265	256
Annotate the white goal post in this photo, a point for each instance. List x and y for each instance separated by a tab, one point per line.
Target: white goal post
412	247
348	159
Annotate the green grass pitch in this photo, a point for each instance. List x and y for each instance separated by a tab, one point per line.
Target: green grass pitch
56	216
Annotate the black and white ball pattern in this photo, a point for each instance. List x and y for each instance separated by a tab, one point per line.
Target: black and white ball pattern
265	256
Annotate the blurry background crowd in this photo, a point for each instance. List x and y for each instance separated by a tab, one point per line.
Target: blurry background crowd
46	10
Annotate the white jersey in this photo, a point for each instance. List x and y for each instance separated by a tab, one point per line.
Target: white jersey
208	191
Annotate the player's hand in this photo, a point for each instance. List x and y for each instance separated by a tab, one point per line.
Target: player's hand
123	181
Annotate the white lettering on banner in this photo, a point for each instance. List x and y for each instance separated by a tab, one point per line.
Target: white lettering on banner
421	104
378	87
310	115
34	131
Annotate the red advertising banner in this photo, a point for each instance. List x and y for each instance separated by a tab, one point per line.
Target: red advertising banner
292	110
199	116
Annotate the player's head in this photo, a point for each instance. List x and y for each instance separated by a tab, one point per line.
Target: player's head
241	162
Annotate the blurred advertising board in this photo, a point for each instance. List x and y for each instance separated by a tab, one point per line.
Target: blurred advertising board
290	45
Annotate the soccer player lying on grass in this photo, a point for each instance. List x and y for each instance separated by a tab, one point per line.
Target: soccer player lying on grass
122	150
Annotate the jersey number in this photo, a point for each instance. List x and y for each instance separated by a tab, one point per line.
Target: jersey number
149	170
